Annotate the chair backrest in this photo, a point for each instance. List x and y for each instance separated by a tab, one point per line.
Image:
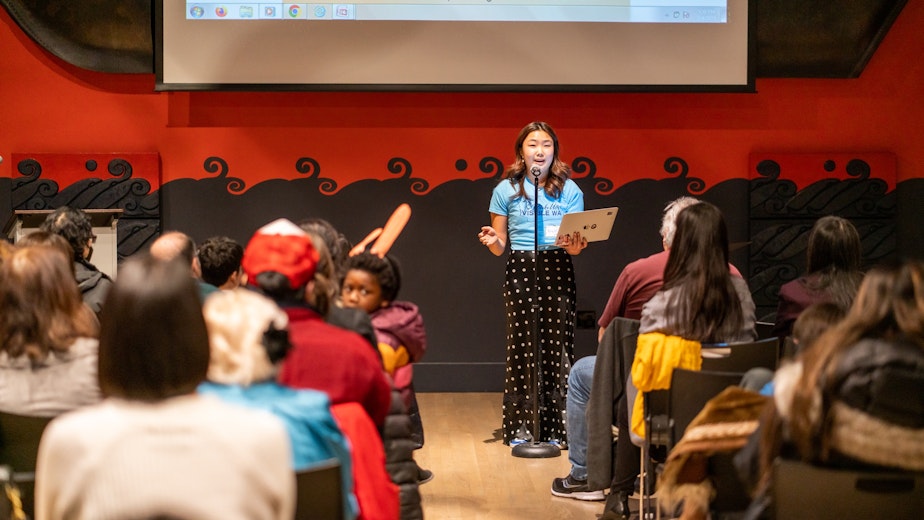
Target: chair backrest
669	412
745	356
802	490
19	442
319	492
690	391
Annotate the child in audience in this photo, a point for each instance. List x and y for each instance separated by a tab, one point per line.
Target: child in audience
371	283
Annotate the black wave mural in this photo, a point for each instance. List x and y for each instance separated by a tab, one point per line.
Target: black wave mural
453	278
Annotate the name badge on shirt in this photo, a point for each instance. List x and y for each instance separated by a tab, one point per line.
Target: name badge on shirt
551	233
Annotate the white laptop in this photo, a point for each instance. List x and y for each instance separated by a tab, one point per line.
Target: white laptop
594	224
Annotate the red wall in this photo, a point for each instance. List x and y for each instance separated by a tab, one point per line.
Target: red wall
48	106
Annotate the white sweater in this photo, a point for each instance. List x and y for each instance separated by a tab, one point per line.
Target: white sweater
192	457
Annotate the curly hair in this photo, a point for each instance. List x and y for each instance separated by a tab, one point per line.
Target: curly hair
73	224
219	258
386	270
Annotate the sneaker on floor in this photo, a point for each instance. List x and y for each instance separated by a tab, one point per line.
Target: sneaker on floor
517	441
562	445
570	487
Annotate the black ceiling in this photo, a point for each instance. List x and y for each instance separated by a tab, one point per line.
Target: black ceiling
795	38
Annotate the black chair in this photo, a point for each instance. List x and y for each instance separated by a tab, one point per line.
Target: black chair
19	442
319	492
669	412
742	357
805	491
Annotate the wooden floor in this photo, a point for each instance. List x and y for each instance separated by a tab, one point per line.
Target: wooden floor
476	477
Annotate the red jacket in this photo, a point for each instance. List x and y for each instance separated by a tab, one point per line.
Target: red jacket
335	361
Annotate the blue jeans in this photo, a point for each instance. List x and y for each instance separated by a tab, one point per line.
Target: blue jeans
579	381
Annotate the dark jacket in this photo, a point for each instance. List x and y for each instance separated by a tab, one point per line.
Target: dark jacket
399	458
94	284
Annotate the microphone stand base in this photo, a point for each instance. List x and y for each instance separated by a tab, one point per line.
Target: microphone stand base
536	450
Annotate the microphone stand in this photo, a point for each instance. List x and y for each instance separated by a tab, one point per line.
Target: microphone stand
535	449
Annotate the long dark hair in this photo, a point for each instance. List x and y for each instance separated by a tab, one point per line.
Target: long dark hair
704	305
559	172
833	256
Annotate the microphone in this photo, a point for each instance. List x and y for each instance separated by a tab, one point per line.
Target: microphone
535	171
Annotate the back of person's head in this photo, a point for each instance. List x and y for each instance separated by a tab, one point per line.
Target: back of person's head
175	245
833	244
280	260
813	321
833	257
337	244
889	306
219	259
704	304
669	219
47	238
153	341
247	334
326	282
74	225
42	310
386	270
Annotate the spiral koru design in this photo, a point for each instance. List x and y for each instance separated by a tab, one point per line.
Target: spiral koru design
587	168
217	164
858	168
401	166
120	168
307	165
768	169
491	166
30	169
676	164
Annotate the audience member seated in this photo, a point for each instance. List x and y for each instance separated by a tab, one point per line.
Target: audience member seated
280	261
46	238
371	284
48	345
248	337
856	397
699	302
220	262
637	283
814	320
74	225
832	272
154	447
178	245
332	248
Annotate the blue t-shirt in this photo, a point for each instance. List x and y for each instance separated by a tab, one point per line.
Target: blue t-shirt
519	212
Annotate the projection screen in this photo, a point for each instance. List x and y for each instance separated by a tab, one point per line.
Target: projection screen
464	45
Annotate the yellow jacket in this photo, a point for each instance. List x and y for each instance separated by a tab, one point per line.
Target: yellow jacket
656	357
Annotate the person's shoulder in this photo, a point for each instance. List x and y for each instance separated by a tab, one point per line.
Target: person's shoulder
656	260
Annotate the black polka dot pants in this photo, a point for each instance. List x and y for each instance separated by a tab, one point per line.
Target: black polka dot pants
556	298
